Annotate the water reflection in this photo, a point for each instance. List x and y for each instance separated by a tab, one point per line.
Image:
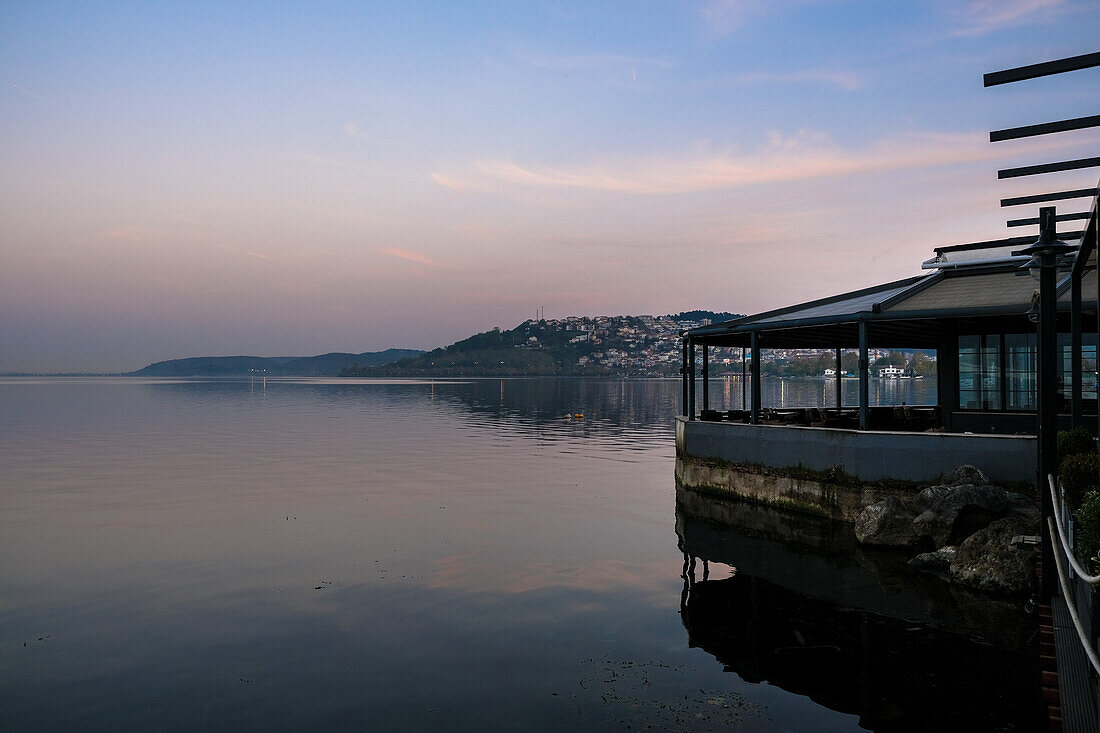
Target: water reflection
625	414
343	554
789	600
733	393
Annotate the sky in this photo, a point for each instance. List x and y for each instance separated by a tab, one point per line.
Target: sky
281	178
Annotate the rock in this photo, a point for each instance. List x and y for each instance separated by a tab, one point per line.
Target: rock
987	561
953	513
887	523
963	475
926	498
1023	507
934	562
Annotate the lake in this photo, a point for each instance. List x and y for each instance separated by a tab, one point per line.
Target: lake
732	393
467	555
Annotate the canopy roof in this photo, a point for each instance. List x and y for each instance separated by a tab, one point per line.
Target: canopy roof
987	285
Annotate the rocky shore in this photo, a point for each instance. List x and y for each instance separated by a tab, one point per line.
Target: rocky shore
964	529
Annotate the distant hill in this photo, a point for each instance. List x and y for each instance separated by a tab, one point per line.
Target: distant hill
576	345
323	365
700	315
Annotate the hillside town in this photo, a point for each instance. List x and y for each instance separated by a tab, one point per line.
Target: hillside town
651	345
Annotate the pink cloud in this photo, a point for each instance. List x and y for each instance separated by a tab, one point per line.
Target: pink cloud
125	234
404	254
802	156
448	182
985	16
251	253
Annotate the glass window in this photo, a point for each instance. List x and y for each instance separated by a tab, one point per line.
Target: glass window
970	348
998	371
1020	370
991	372
980	372
1088	368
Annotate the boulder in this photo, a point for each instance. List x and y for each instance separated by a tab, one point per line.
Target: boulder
953	513
887	523
927	497
987	561
1023	507
934	562
963	475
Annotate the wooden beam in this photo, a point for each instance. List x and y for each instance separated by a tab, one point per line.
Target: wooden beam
1077	193
1084	215
1034	71
1063	165
1045	128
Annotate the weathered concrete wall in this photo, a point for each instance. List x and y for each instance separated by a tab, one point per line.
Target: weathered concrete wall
870	456
816	495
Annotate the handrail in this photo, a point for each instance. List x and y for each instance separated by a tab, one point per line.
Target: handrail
1086	643
1057	504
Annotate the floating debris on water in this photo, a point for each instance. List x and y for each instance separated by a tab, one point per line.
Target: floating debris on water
650	695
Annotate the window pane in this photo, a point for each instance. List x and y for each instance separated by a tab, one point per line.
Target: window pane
991	372
1088	370
1020	368
980	372
969	372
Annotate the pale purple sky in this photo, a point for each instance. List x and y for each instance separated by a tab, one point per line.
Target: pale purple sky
290	179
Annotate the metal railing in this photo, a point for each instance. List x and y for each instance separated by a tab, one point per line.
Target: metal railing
1056	527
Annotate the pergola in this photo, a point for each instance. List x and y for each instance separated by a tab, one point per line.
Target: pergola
973	288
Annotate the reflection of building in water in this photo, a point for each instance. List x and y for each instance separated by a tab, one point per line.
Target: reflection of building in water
852	633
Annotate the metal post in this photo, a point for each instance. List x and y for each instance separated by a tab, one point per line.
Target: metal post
754	345
706	376
744	380
864	384
947	373
684	377
839	386
691	379
1075	347
1048	408
1044	254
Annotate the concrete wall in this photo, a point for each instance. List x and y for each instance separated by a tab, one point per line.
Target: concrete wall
816	495
870	456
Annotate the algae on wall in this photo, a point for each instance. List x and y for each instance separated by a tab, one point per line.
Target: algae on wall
832	493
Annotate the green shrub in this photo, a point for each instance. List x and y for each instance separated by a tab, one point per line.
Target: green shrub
1078	440
1087	534
1079	476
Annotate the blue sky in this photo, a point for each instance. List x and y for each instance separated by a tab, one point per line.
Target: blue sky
283	178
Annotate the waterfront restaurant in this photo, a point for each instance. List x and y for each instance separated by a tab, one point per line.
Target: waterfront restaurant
974	306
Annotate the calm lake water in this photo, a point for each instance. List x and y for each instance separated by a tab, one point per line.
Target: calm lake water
354	555
733	393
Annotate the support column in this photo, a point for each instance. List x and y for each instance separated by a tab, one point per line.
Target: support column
1048	408
744	380
1075	347
864	384
691	379
947	372
706	376
839	387
1044	253
754	345
684	377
